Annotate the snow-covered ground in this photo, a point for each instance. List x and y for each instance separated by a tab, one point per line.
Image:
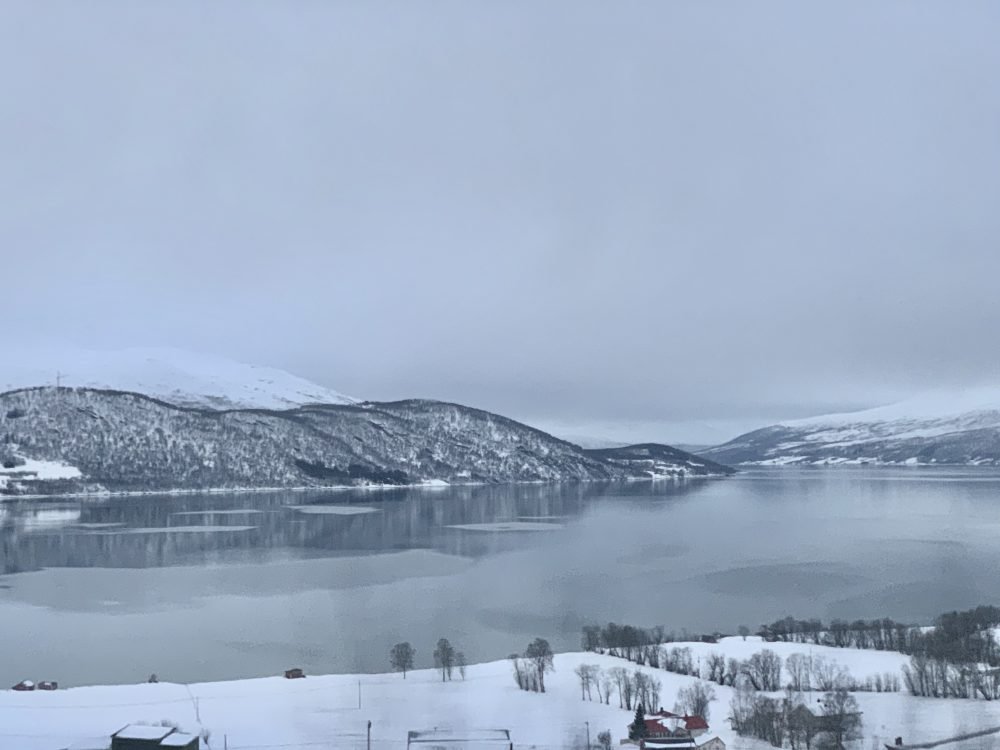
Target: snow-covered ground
34	469
322	712
173	375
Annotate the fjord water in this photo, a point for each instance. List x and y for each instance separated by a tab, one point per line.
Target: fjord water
221	586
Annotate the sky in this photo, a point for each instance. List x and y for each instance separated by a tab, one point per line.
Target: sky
649	220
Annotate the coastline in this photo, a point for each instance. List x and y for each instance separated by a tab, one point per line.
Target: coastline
430	484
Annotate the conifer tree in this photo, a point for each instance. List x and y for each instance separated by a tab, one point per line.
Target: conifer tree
637	729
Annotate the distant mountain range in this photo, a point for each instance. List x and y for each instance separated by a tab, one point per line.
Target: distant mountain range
58	440
960	428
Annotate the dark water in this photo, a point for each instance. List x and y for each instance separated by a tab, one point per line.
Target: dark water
223	586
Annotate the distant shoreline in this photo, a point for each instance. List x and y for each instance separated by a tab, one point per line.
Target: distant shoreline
428	485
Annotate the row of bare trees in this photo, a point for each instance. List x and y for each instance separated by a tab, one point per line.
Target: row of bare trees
763	671
631	688
939	678
625	641
958	637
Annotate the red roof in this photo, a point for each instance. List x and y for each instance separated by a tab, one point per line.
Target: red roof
654	727
695	722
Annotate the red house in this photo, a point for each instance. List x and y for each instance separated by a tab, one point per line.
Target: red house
666	725
24	685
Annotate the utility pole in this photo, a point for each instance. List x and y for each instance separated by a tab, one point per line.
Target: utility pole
359	695
588	735
369	734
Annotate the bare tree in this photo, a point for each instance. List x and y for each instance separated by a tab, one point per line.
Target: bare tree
797	666
607	682
540	654
744	631
801	724
588	676
444	658
696	699
621	678
827	675
520	671
646	689
763	669
401	657
462	664
843	716
733	667
717	668
604	739
591	638
754	715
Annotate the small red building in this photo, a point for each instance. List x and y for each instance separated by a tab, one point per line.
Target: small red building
294	674
24	685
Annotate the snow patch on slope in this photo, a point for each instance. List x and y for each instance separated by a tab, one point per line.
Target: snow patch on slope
173	375
33	469
933	406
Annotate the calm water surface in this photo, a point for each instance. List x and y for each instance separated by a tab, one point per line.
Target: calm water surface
219	586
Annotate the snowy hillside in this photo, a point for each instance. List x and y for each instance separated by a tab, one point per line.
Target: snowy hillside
322	711
940	428
174	375
82	440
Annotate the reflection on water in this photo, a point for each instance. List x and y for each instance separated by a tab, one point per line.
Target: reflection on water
225	586
153	531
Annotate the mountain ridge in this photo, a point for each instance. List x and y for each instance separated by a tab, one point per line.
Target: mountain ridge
176	376
920	431
70	440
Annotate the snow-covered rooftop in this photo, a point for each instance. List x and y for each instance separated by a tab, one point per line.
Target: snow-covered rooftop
435	736
143	732
177	739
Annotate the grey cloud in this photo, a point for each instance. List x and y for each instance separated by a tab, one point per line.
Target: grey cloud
662	211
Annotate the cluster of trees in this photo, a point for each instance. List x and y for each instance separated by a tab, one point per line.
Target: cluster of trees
802	673
632	688
882	635
446	658
958	637
695	700
625	641
939	678
531	666
789	720
762	671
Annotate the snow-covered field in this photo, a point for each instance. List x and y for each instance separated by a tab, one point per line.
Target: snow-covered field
322	712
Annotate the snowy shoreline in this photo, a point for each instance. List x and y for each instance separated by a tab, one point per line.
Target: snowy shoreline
428	484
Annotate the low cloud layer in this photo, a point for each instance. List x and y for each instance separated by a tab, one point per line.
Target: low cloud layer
658	213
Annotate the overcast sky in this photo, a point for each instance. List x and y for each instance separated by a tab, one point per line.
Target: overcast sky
691	216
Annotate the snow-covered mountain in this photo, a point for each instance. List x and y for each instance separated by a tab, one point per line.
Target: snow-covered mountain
173	375
60	440
937	428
